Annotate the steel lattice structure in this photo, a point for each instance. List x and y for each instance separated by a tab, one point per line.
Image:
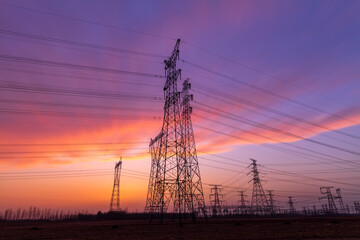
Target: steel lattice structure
259	202
175	174
115	197
292	209
271	201
241	202
215	195
331	207
341	203
195	197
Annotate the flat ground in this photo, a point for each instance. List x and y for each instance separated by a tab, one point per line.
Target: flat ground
279	229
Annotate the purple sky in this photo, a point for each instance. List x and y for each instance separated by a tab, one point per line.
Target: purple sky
290	67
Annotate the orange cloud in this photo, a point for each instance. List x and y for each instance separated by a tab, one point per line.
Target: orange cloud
129	139
222	138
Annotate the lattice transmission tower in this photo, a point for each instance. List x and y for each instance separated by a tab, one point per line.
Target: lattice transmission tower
259	201
357	207
331	207
241	202
341	203
271	201
175	174
115	197
216	199
194	194
291	206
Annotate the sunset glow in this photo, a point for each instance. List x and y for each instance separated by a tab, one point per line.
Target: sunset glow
81	84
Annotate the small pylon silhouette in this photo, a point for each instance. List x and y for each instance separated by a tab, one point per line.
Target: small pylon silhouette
331	208
241	202
215	195
357	207
291	206
115	197
271	201
341	203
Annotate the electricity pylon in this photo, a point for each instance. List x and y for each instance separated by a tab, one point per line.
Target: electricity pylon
175	174
341	203
241	202
357	207
259	202
271	201
291	206
115	197
194	195
215	195
315	211
331	204
153	199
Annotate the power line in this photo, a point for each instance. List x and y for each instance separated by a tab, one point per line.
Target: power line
274	171
71	151
78	49
68	105
74	66
67	77
74	171
319	179
264	73
76	114
217	155
273	139
327	159
66	174
217	167
266	127
45	89
81	44
268	92
236	99
211	160
307	172
88	21
238	178
68	144
71	176
105	154
333	178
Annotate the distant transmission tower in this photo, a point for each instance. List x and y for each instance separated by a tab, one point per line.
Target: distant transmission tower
331	207
271	201
175	174
291	206
115	197
341	203
357	207
259	202
216	196
241	202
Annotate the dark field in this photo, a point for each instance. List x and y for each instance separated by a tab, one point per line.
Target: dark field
281	228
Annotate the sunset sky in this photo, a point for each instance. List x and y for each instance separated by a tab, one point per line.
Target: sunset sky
81	84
